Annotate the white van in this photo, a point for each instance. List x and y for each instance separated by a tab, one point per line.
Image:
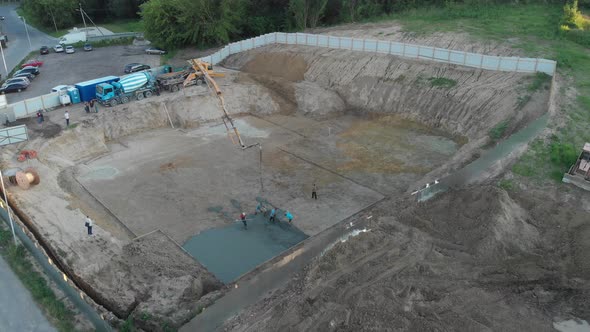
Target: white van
72	38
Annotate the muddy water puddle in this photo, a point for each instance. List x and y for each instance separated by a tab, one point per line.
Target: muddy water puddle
230	251
389	144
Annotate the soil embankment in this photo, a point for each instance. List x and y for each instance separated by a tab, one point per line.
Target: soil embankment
472	259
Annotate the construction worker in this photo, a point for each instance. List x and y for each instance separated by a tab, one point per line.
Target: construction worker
314	194
243	218
289	216
86	107
273	213
67	116
40	118
258	208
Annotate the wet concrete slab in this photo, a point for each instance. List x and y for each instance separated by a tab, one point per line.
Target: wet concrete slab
230	251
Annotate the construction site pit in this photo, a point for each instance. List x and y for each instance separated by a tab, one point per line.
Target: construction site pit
166	201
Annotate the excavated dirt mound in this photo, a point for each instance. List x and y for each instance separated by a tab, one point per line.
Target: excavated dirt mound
154	275
461	100
467	260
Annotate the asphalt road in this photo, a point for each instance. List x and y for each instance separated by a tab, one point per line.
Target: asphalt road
18	311
18	45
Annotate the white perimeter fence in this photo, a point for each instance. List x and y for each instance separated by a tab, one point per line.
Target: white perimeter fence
475	60
490	62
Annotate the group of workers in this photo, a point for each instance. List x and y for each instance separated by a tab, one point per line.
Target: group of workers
260	208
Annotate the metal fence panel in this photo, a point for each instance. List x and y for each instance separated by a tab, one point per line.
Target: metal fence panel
383	47
411	51
527	64
457	57
370	46
345	43
473	60
490	62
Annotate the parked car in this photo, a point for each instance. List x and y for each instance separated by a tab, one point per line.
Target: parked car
133	67
58	48
44	50
32	63
18	79
87	47
70	49
30	70
153	50
61	88
26	75
12	87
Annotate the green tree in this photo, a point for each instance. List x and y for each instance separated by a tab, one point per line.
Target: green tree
124	8
307	13
52	13
572	17
177	23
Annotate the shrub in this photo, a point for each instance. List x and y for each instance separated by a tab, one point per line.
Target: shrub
563	154
442	82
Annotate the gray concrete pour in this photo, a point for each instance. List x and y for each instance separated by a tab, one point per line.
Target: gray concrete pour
18	310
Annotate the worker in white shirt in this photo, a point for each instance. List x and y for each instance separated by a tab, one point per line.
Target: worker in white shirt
89	224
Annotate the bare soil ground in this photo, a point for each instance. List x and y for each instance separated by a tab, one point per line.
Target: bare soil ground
472	259
362	126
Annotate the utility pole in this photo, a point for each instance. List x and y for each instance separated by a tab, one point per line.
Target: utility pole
82	14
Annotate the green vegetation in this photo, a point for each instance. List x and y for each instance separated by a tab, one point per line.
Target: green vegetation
106	42
18	259
441	82
128	325
499	130
539	80
506	184
124	26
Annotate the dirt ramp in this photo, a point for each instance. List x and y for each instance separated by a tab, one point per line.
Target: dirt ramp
288	66
486	223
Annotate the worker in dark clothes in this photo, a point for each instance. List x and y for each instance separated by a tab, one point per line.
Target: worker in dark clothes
94	104
273	213
314	194
243	218
86	107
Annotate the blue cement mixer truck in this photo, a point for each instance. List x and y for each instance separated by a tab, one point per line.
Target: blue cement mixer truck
135	86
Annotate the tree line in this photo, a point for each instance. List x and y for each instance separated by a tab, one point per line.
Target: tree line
178	23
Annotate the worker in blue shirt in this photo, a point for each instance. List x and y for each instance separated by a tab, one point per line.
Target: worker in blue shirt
289	216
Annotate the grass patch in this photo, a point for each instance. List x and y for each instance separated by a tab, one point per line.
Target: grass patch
521	101
506	184
17	257
499	130
106	42
124	26
441	82
539	80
